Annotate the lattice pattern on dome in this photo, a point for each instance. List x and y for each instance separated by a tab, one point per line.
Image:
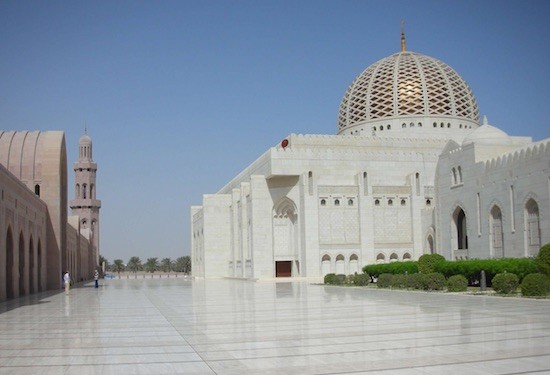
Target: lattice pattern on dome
405	84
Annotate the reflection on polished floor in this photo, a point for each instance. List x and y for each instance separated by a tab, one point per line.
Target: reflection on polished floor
176	325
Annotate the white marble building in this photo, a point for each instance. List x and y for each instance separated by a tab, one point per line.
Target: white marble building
315	204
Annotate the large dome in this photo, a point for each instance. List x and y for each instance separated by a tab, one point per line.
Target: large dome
407	85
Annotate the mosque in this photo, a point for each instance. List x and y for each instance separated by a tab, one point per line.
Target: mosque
412	170
38	239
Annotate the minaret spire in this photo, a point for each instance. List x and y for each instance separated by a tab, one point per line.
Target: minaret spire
403	41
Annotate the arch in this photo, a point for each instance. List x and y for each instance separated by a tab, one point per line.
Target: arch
37	189
77	191
22	291
10	264
92	191
459	170
459	230
32	270
325	264
394	257
285	238
407	256
340	266
39	266
453	176
380	258
430	243
496	239
84	187
532	227
353	264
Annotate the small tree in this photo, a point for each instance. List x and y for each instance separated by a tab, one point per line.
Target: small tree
543	260
134	264
118	266
183	264
166	264
427	262
151	265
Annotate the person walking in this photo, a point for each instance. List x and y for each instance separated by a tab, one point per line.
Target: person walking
96	278
67	281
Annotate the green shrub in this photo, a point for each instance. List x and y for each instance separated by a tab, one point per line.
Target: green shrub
361	279
399	281
414	281
433	281
384	280
457	283
471	269
535	285
505	283
329	278
340	279
427	262
543	260
375	270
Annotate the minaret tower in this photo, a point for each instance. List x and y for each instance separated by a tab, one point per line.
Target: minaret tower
85	205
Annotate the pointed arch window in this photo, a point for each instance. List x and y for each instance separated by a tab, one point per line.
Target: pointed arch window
532	227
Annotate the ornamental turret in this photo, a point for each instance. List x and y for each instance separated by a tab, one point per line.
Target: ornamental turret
85	205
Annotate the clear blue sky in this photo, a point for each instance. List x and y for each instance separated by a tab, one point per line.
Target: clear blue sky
180	96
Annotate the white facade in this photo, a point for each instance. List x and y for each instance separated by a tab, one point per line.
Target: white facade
317	204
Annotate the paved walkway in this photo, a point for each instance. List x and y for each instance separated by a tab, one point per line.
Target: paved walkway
154	326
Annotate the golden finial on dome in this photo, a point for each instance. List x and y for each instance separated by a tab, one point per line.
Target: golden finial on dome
403	41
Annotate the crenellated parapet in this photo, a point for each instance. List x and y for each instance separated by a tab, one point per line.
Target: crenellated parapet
519	157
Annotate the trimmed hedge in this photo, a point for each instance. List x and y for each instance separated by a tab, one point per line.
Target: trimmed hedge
505	283
433	281
361	279
333	279
375	270
543	260
427	262
535	285
384	280
457	283
471	269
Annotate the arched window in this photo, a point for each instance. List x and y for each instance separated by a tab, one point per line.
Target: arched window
496	233
532	227
377	202
10	265
380	258
325	264
403	202
22	290
406	256
435	124
381	127
390	202
419	124
388	127
84	191
460	229
37	189
393	257
323	202
77	191
453	176
340	266
337	202
92	191
403	125
459	174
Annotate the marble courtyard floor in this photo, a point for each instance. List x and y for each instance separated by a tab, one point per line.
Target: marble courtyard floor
166	326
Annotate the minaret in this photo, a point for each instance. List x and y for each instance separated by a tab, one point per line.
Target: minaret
85	205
